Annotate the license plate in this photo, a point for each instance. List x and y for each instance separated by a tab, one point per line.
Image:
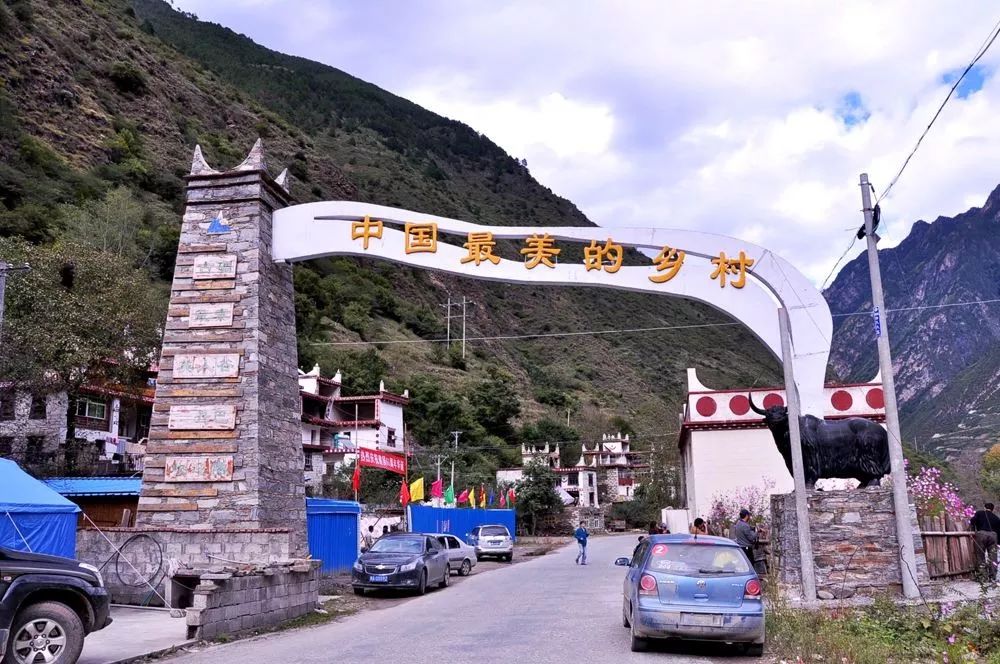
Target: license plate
701	619
381	578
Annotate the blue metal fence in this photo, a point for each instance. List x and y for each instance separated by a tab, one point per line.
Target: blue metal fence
333	527
458	521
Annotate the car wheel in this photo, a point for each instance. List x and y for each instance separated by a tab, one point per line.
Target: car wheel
638	644
359	591
753	650
466	568
625	623
509	557
49	629
445	578
422	588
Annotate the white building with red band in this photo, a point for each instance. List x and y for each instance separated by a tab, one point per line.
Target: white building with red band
724	445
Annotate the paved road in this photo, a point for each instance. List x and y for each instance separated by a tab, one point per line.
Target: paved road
545	611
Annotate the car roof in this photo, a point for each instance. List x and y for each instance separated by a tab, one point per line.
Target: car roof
492	525
686	538
442	535
395	535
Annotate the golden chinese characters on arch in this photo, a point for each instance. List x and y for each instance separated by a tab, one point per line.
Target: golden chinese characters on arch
541	249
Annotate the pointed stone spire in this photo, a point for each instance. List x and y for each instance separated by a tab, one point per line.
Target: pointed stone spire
282	180
255	160
198	164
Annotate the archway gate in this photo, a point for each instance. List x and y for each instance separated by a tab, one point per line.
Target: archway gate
225	443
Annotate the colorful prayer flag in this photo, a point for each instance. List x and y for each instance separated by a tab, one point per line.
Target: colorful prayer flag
503	500
417	489
490	501
449	495
482	496
462	497
404	494
511	496
437	489
472	497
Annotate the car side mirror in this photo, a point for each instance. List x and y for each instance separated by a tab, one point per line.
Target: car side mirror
622	562
364	549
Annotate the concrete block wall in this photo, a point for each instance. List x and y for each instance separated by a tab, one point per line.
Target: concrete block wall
154	552
225	605
854	543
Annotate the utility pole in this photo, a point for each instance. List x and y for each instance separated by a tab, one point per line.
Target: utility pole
798	470
456	434
901	501
464	302
447	316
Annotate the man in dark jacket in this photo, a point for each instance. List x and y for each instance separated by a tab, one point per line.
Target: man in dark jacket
581	536
745	535
986	525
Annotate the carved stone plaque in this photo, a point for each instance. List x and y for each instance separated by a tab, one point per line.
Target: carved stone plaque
210	315
214	266
193	418
222	365
198	469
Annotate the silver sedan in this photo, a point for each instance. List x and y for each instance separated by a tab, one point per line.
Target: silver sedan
461	556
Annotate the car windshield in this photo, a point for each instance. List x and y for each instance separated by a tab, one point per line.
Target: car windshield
494	530
398	545
697	560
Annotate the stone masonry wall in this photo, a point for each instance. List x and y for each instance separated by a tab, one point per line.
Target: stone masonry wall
854	543
225	603
154	552
225	444
51	428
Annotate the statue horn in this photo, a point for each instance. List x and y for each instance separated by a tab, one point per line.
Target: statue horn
754	408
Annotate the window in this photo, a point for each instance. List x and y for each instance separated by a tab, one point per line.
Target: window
314	436
95	410
6	446
309	461
7	407
453	543
37	411
391	438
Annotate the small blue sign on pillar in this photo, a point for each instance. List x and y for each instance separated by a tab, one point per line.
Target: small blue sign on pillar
876	322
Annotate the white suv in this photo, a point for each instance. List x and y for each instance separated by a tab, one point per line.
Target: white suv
492	541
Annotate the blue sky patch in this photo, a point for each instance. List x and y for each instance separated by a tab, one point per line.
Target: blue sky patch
851	109
971	84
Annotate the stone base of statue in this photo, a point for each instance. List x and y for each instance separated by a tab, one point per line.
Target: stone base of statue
855	549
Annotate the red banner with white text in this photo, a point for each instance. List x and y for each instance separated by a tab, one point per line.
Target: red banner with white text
395	463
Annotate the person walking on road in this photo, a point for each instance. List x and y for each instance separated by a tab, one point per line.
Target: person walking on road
369	537
745	535
581	536
986	525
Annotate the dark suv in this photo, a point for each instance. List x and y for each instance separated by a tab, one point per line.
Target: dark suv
47	605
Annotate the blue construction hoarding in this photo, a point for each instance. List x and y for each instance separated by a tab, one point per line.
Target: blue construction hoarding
458	521
333	527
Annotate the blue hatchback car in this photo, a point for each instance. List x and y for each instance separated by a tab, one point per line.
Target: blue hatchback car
692	587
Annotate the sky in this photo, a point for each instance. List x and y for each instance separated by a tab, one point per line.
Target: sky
747	119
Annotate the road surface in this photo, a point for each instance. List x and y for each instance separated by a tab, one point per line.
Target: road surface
545	611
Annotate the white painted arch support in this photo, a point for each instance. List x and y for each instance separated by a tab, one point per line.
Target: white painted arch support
314	230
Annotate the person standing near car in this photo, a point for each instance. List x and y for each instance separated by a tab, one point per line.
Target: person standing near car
745	535
369	537
581	536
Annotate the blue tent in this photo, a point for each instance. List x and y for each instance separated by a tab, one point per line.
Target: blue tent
33	517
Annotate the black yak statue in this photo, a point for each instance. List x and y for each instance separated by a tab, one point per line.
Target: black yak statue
849	448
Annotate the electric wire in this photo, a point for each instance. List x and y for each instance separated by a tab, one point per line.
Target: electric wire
634	330
991	37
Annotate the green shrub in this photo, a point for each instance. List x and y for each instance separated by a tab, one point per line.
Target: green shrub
127	77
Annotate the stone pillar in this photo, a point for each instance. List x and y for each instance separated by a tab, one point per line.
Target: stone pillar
225	447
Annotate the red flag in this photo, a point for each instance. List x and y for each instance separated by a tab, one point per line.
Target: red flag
462	497
356	479
511	496
503	500
404	494
437	489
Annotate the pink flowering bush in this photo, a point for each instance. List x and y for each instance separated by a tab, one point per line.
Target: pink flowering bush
935	497
726	506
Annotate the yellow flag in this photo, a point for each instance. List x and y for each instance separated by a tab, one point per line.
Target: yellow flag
472	497
417	490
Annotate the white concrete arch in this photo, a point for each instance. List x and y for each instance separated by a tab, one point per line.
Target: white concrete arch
314	230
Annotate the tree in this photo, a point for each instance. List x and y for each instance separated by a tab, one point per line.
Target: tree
536	496
78	317
494	403
547	430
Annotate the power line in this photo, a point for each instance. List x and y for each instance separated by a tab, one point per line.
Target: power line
994	32
833	269
634	330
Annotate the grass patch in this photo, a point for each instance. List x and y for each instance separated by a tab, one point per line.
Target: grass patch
885	632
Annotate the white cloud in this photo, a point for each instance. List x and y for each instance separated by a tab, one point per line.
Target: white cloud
729	118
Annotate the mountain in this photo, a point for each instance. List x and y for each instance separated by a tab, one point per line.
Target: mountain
108	96
946	358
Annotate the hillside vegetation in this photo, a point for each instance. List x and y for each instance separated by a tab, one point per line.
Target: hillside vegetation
101	106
